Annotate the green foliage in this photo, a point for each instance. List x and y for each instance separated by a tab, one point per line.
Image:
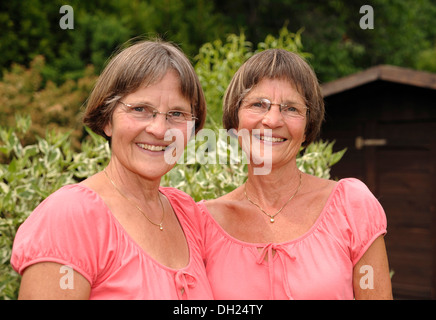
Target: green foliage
402	30
31	28
23	91
215	65
34	172
427	60
318	158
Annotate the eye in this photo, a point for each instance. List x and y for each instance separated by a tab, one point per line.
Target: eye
138	109
176	114
290	109
259	105
294	110
142	108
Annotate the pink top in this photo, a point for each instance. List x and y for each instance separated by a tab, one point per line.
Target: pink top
75	227
317	265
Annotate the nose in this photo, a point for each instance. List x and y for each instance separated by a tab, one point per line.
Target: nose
157	125
273	118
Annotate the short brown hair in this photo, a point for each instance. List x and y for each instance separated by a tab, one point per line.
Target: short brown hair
144	63
276	64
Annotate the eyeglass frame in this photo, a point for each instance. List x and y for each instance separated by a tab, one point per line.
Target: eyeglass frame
155	112
280	105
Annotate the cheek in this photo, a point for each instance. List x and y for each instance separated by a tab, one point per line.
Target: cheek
121	127
245	122
298	131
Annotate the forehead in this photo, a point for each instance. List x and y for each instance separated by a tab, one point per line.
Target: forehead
165	90
276	90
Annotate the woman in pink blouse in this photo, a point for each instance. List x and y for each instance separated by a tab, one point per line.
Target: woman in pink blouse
285	234
118	234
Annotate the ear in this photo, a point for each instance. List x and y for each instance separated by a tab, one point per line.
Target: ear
108	129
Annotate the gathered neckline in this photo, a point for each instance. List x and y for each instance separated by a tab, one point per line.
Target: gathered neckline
163	190
283	243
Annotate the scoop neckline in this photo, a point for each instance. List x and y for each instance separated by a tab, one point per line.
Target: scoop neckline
131	240
283	243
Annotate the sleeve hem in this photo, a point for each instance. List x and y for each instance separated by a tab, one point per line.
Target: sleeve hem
368	244
55	260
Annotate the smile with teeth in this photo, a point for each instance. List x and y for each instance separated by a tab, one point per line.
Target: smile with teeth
271	139
151	147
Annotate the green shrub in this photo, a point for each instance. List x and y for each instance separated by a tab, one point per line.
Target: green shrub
23	91
34	172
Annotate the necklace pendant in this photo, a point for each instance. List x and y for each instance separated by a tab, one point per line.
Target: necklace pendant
272	220
161	227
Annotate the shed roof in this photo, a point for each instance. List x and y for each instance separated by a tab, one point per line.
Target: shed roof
382	72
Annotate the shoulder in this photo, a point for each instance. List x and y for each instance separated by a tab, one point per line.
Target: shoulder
68	227
177	197
73	199
73	196
72	193
175	193
363	213
353	184
358	205
352	190
353	198
317	186
227	202
226	209
70	207
183	205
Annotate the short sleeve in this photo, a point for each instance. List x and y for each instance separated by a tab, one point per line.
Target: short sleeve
365	217
67	228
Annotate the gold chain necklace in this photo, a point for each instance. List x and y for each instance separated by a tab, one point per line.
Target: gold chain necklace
272	216
137	207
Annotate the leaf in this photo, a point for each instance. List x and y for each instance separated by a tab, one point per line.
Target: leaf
43	145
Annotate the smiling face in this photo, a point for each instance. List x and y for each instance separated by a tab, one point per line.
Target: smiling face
139	144
286	134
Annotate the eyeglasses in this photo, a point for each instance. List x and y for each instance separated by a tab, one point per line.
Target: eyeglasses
142	111
289	110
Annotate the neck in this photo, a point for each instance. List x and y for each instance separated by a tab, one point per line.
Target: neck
274	189
132	184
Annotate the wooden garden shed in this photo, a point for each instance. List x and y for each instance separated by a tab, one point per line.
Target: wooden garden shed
386	117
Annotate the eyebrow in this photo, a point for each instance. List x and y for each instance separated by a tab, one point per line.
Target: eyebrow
177	108
292	102
287	102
